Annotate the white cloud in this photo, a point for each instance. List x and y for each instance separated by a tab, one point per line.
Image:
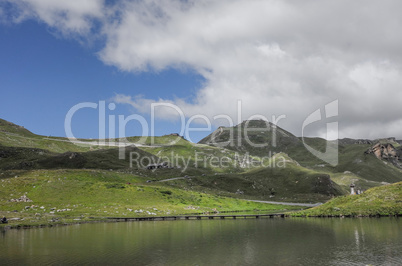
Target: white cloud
72	16
278	57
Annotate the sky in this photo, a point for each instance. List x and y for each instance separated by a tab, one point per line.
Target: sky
201	64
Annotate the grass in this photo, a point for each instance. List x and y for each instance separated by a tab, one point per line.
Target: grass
346	178
292	183
12	135
203	156
91	181
13	158
64	195
215	170
351	156
378	201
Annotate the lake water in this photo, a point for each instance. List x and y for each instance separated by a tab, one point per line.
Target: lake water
275	241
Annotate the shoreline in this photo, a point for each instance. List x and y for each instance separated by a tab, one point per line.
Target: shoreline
4	227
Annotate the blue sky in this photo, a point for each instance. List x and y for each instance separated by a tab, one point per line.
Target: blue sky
277	59
43	75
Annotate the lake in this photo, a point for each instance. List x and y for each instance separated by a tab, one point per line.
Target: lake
275	241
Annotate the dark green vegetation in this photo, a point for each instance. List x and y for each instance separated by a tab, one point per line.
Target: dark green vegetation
291	183
90	180
379	201
365	170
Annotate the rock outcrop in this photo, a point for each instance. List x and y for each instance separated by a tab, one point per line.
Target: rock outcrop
387	151
383	151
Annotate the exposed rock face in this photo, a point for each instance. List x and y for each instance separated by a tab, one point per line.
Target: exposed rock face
387	151
383	151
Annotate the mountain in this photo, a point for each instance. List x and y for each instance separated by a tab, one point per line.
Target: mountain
171	174
231	161
258	137
262	138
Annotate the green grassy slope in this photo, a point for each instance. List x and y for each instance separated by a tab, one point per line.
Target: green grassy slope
91	181
154	140
204	156
33	158
12	135
11	128
216	170
352	157
285	181
202	162
384	200
79	194
346	178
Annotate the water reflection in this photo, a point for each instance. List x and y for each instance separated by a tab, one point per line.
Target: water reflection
228	242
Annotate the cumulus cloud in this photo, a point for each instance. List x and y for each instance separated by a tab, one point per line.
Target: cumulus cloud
69	17
277	57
